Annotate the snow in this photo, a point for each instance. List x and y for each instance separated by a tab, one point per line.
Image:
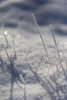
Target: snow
25	71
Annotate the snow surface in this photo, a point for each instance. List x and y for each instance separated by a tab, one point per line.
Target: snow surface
22	52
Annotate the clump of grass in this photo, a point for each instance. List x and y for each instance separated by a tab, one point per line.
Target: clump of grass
61	65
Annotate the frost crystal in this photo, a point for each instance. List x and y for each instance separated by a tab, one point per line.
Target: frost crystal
5	32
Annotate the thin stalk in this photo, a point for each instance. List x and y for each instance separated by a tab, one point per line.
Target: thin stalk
61	65
11	60
56	60
35	22
38	66
15	56
6	40
7	54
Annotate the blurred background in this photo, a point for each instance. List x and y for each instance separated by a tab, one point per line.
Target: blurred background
17	14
